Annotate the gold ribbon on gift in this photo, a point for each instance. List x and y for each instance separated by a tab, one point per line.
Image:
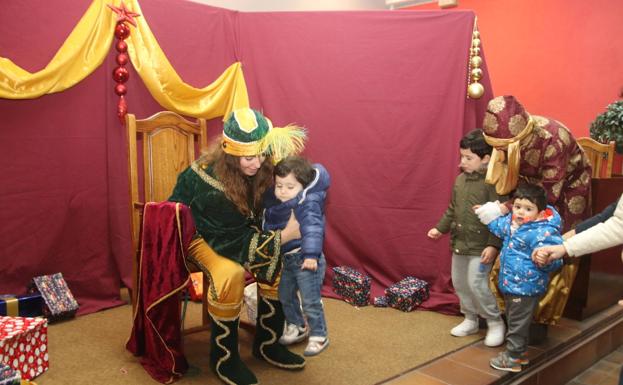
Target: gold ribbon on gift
12	305
505	175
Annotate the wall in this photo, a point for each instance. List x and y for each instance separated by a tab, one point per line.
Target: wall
295	5
561	58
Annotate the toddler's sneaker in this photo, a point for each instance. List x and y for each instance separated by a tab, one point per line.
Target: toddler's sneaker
523	360
293	334
505	362
465	328
495	333
315	345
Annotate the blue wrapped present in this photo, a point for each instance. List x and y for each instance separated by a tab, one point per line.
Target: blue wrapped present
58	301
407	294
8	376
26	305
351	285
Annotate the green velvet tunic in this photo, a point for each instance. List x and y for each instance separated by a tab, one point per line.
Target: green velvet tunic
228	232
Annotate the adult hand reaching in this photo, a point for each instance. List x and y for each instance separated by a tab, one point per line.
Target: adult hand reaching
544	255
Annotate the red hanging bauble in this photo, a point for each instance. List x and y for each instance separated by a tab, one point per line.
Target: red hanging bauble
121	89
122	109
121	74
122	31
122	59
122	46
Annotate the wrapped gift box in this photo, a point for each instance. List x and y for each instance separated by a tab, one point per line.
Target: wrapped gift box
351	285
196	286
59	303
8	376
24	345
380	301
27	305
407	294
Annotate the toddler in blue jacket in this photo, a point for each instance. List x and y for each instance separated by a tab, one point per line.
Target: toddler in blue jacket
531	224
300	190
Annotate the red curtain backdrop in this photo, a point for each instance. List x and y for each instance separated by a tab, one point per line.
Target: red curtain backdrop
383	95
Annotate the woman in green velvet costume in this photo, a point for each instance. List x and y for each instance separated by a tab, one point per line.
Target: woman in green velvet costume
224	191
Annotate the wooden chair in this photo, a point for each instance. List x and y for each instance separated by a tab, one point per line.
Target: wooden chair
597	153
168	144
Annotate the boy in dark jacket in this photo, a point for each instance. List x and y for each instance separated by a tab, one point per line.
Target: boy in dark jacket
300	190
474	249
531	224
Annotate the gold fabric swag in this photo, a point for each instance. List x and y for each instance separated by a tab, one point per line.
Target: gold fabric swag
86	48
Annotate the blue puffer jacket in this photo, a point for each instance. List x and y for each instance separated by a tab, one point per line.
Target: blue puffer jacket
518	274
308	208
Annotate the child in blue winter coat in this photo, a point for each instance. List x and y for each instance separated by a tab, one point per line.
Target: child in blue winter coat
531	224
300	190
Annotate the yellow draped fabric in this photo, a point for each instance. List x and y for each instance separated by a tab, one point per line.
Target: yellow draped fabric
83	51
86	48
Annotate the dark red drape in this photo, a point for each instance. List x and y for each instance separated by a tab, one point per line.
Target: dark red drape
382	94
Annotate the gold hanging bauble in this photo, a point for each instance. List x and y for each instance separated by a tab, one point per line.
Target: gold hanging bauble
476	34
475	43
475	51
475	90
476	74
475	61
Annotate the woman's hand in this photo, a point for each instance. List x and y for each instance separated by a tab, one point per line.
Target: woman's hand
291	231
546	254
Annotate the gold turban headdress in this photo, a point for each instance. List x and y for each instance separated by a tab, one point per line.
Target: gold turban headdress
505	125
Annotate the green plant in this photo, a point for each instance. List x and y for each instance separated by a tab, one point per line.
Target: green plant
608	125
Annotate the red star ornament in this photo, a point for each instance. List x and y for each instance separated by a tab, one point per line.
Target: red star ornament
123	14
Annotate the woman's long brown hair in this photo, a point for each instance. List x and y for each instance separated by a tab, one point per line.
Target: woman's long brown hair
245	192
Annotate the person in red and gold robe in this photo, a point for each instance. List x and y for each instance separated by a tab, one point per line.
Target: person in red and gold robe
541	151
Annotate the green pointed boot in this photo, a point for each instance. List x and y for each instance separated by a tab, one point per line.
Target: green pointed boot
269	329
224	356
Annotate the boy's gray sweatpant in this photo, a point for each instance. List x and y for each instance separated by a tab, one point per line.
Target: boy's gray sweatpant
471	283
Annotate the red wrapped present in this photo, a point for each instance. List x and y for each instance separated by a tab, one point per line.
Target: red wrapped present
407	294
59	303
8	376
25	305
351	285
196	286
24	345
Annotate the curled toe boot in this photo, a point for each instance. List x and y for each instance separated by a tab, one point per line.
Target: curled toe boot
224	355
269	328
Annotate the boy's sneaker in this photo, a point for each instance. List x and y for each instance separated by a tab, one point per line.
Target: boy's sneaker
495	333
465	328
505	362
293	334
315	345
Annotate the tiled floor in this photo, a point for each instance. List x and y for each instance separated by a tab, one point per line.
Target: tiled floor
570	347
604	372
